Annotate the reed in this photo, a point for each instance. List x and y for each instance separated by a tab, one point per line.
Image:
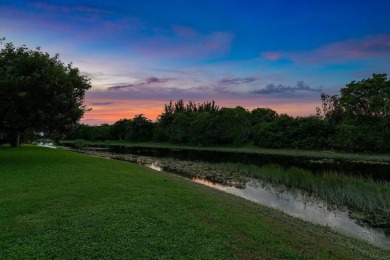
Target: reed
362	195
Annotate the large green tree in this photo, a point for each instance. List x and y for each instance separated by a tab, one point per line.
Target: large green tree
368	97
141	129
121	129
39	92
360	116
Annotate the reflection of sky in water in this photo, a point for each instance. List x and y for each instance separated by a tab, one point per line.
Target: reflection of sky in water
47	145
154	166
315	212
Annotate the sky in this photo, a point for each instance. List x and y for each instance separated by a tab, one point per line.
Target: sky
139	55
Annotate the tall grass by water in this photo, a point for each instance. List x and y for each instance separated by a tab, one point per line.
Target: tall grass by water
357	193
59	204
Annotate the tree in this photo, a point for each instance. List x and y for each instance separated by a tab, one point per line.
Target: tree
278	133
179	129
39	92
121	129
310	132
261	115
205	129
369	97
366	98
333	112
141	129
235	125
359	118
173	124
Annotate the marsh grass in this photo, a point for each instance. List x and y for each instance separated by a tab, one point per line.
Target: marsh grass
56	204
356	193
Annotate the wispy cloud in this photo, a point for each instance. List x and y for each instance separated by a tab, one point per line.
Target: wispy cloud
155	80
351	49
236	81
149	95
101	103
155	89
272	88
148	81
83	22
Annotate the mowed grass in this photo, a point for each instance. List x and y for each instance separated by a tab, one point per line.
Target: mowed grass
59	204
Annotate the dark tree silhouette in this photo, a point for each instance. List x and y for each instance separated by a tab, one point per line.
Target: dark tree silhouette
356	121
39	92
368	97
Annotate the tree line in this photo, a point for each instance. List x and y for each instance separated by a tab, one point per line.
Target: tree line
357	120
42	96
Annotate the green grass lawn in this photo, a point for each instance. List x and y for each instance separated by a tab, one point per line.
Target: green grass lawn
59	204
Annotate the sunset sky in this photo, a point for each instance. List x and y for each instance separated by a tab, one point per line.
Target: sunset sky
139	55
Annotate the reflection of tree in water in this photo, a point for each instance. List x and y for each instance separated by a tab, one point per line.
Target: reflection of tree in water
377	171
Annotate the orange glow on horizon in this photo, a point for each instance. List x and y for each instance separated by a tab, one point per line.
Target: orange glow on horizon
122	109
151	109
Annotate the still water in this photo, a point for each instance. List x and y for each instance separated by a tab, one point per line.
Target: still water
376	171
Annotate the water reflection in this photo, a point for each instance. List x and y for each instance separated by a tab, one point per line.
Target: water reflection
376	171
298	206
48	145
154	166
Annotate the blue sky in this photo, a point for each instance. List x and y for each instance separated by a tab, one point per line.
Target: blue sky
141	54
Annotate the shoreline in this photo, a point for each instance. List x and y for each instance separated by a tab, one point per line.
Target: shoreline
353	157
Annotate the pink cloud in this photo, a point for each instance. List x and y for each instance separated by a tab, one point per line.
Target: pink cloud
186	87
148	96
351	49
